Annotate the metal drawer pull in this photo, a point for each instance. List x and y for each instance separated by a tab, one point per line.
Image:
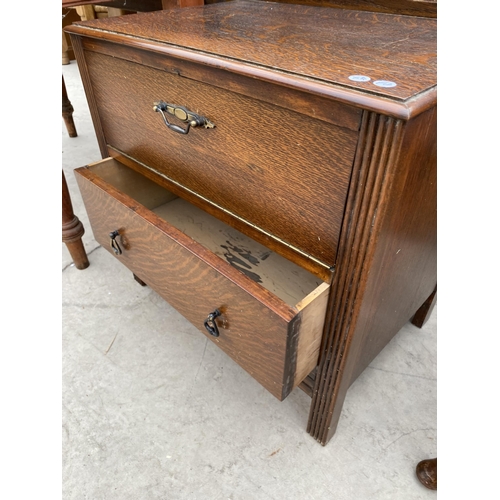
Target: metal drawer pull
183	114
210	323
114	244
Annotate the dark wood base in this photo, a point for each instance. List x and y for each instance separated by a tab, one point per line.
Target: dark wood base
72	230
307	384
140	281
427	473
422	315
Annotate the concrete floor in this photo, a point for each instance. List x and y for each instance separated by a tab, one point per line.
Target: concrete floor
152	410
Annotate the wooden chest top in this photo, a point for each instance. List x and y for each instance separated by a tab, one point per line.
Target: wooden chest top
320	49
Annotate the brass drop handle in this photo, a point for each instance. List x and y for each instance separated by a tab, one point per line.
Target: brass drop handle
183	114
114	244
211	325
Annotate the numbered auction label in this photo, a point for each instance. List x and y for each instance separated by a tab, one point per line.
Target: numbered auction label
359	78
384	83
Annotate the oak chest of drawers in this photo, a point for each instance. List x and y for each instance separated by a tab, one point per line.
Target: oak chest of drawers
270	170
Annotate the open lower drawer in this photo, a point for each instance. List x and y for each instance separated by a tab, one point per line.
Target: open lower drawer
261	309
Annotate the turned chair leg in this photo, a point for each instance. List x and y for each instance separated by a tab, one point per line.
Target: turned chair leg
422	315
72	230
67	112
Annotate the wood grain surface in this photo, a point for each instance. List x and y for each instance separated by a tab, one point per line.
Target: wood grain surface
387	47
422	8
259	161
315	106
258	330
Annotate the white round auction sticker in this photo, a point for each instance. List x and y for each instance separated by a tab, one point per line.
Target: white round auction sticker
384	83
359	78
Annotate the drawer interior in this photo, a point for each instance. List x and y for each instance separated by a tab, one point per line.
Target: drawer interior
284	279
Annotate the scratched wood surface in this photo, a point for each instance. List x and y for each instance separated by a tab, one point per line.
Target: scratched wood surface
325	44
422	8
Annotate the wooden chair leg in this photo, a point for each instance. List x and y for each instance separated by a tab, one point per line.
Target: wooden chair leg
422	315
72	230
67	112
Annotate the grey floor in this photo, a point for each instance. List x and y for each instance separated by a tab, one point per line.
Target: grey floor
152	410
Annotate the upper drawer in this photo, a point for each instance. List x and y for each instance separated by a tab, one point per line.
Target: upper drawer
280	171
272	311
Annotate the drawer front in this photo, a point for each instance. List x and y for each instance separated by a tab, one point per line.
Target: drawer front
281	171
257	330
